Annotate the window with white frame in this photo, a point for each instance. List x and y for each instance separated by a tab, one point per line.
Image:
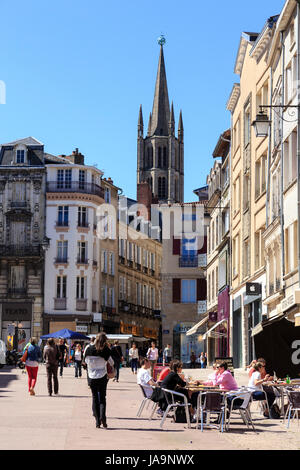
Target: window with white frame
82	216
63	216
61	287
80	287
20	156
62	251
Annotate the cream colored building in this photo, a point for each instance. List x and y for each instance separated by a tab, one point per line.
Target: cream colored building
249	156
139	277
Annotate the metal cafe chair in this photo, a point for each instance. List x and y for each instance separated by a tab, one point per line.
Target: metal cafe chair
211	403
146	400
243	408
293	406
175	400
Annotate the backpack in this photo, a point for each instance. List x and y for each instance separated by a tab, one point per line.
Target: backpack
180	416
274	412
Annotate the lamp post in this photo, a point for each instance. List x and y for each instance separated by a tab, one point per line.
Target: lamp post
263	123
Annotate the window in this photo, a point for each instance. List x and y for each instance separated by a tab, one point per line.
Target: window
64	179
82	217
290	159
162	187
82	179
189	247
63	216
107	195
159	158
111	263
62	251
165	161
104	261
80	287
20	156
82	252
188	291
246	259
247	126
104	296
61	287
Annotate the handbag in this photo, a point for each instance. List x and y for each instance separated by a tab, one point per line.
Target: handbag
24	357
110	371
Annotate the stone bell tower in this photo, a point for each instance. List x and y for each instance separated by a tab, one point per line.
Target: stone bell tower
160	154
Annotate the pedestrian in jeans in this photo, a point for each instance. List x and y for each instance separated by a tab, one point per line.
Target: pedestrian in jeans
32	363
51	357
152	355
117	355
62	355
96	357
78	360
134	358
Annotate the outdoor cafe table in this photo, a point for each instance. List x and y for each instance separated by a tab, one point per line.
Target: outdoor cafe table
203	389
280	387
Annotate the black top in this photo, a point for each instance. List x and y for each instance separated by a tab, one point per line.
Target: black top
172	380
92	351
116	353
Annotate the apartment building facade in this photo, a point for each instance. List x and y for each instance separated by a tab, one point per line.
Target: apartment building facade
78	255
22	240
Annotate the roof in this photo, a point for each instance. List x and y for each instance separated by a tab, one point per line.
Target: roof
29	141
223	144
161	107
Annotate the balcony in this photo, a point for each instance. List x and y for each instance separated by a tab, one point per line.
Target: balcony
61	260
82	260
188	261
17	291
62	224
19	207
74	187
21	251
60	304
83	224
81	304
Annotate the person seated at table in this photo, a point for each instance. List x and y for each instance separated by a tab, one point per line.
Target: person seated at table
256	385
144	378
175	381
222	378
251	367
263	370
165	371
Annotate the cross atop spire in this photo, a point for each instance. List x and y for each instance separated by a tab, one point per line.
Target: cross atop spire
161	107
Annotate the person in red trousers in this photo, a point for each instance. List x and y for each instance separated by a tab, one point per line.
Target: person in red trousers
32	364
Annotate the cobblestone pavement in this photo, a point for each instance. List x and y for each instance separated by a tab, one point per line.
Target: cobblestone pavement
65	422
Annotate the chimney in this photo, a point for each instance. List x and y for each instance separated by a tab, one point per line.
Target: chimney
76	157
144	196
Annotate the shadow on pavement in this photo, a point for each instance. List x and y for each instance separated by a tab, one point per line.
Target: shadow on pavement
6	377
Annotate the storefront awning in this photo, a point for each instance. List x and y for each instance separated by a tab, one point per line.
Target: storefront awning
209	332
196	327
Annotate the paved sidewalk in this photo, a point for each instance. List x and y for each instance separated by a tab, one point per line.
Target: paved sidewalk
66	423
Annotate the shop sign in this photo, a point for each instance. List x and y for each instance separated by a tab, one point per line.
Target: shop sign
17	312
81	328
291	300
202	306
253	288
97	317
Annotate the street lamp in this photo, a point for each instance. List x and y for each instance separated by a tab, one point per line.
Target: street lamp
262	124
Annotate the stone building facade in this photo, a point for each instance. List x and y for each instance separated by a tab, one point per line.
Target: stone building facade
22	239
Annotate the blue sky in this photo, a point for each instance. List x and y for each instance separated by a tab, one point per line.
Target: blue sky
76	73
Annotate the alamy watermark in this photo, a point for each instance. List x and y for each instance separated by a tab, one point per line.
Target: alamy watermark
2	92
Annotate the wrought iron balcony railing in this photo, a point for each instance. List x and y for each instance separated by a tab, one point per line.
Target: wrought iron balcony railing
74	187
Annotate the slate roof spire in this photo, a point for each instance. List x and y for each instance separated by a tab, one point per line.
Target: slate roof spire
161	106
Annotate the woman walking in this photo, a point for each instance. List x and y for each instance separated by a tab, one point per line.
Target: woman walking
96	357
134	358
78	360
51	357
32	364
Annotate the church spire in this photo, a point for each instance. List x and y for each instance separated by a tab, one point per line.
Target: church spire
161	107
141	123
172	121
180	128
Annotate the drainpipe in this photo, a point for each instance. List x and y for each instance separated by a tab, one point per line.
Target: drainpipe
281	159
298	132
269	151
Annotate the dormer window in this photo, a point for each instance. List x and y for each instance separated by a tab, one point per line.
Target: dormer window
20	156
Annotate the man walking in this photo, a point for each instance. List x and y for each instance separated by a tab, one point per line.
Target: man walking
51	357
152	355
117	355
62	348
167	354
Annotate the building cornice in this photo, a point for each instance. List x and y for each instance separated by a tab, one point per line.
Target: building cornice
233	98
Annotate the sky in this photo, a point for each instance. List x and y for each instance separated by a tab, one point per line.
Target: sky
76	73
